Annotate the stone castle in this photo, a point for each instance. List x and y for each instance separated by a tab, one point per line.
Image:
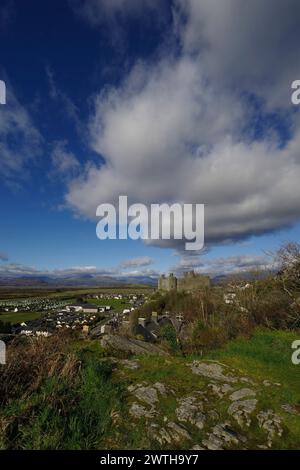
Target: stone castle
190	281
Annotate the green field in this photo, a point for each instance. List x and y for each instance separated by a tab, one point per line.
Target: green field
67	293
266	355
19	317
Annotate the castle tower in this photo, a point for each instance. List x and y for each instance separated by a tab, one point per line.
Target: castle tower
172	282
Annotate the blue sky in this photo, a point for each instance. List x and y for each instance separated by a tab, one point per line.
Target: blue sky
162	100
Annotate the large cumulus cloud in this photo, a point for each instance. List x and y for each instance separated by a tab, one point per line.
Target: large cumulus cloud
182	128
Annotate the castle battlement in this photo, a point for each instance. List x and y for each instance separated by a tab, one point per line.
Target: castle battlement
190	281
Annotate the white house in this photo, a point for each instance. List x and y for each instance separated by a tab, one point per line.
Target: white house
85	308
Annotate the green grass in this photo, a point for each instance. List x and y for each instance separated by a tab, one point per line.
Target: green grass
91	409
66	414
267	355
19	317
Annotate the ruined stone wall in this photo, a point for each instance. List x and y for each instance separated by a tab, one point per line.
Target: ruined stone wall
167	283
189	282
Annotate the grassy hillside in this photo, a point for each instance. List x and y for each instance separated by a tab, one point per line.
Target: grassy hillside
76	398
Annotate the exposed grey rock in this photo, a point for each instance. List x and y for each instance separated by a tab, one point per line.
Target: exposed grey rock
191	411
133	387
213	415
160	434
201	409
139	411
146	394
271	423
213	443
133	365
242	393
95	332
291	409
241	410
130	345
220	390
267	383
172	433
247	380
179	434
149	395
160	388
222	436
212	370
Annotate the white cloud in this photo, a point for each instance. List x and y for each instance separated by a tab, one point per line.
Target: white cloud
99	12
249	45
174	130
225	265
16	270
3	256
137	262
20	141
64	102
64	162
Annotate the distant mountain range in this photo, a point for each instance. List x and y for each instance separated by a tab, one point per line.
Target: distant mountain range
74	280
94	280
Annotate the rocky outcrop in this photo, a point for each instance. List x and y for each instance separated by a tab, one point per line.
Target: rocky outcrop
220	437
149	396
241	410
190	410
96	332
212	371
271	423
221	414
242	393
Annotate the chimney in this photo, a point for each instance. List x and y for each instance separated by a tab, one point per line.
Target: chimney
86	329
154	316
142	321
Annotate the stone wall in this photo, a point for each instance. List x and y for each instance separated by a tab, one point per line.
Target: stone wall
189	282
167	283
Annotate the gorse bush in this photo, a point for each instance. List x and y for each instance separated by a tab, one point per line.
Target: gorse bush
5	327
31	361
266	299
169	335
67	403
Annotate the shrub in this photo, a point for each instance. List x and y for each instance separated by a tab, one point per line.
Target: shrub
5	327
31	361
168	334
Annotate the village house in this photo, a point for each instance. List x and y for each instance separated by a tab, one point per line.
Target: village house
84	308
150	328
